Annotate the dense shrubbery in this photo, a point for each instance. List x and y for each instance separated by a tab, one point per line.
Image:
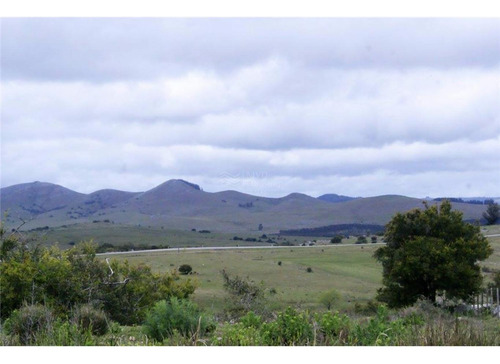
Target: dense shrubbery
64	280
175	315
417	325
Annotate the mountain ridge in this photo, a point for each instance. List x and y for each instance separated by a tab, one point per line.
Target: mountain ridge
181	204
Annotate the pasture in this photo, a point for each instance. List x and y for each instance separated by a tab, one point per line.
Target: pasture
118	234
349	269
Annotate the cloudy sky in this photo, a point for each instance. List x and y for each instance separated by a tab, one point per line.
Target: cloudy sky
266	106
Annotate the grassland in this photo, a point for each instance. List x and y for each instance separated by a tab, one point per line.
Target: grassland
118	234
351	270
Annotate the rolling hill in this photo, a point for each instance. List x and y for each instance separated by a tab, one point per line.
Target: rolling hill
178	204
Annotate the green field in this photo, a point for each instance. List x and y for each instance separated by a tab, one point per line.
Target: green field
118	234
351	270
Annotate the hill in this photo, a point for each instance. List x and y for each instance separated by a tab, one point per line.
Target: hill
334	198
178	204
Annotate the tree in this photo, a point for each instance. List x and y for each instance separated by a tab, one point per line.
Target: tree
492	213
329	298
337	239
429	251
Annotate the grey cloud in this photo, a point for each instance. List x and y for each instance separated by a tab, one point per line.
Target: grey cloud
114	49
265	106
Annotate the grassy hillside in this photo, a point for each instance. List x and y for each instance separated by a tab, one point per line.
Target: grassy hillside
181	205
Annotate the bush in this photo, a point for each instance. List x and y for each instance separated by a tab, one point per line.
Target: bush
309	270
87	317
251	320
65	279
29	321
329	298
337	239
238	335
289	328
361	240
334	328
245	295
175	315
185	269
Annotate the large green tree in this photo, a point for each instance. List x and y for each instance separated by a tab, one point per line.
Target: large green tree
428	251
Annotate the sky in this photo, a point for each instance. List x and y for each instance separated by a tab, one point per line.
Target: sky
267	106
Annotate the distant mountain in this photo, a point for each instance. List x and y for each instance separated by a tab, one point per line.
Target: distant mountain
179	204
334	198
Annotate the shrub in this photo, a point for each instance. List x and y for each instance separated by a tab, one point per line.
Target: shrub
245	295
309	270
185	269
329	298
87	317
238	335
370	308
333	327
289	328
337	239
175	315
251	320
29	321
361	240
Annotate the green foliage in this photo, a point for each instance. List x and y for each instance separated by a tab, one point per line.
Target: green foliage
361	240
238	335
333	327
67	279
380	330
337	239
89	318
289	328
245	295
428	251
29	321
329	298
369	308
185	269
175	315
251	320
492	213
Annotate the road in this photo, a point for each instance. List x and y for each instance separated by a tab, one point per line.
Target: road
232	248
244	247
